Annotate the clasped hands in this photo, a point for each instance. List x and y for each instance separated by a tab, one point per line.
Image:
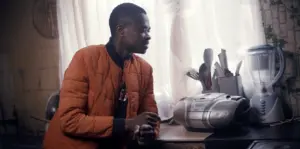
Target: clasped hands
143	127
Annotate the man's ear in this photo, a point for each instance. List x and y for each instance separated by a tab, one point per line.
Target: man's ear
120	30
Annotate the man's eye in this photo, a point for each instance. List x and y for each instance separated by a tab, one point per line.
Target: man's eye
145	30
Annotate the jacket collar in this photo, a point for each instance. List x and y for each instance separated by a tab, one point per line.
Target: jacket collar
111	49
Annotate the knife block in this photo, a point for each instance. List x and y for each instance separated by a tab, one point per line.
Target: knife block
230	85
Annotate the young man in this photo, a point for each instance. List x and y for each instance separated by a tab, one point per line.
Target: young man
107	92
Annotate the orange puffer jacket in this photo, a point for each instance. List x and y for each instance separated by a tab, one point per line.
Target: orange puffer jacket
87	98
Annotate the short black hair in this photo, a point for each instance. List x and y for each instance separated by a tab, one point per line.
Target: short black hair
124	10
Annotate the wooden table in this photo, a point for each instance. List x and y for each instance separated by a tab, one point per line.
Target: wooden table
178	134
230	138
176	137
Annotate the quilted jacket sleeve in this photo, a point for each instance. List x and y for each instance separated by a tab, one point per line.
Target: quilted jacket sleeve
148	102
73	103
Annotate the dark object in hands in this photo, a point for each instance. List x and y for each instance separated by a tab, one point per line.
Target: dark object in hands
144	118
145	134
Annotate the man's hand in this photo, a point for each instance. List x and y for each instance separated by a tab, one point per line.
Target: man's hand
144	118
145	134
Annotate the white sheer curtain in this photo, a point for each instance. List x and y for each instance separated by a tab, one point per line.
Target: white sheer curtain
181	30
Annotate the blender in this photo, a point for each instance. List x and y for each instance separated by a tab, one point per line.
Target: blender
266	65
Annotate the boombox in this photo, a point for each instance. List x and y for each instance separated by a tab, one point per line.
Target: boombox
211	111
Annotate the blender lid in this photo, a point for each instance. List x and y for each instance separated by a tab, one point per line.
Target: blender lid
261	47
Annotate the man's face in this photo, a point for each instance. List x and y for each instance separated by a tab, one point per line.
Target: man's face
136	36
